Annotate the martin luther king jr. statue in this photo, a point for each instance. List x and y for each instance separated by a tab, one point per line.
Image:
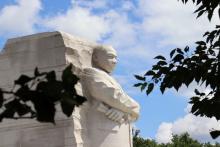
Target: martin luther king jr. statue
110	110
103	121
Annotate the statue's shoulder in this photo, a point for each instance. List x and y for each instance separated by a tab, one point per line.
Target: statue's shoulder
90	71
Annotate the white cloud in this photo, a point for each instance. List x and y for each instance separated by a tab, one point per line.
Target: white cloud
20	17
123	33
79	21
188	92
164	133
112	26
197	127
173	22
127	6
188	108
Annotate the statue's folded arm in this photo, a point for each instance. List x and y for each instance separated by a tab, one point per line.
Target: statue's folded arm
102	87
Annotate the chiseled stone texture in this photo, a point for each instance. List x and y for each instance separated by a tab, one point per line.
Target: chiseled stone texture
47	51
90	125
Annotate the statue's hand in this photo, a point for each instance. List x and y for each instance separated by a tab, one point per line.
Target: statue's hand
128	118
115	115
102	107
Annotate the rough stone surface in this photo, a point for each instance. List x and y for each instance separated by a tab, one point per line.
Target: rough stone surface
103	121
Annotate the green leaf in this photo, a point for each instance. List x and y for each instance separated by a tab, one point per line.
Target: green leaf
162	63
194	108
8	113
10	104
45	109
1	117
155	67
10	109
68	78
194	100
178	58
150	88
51	76
80	100
164	70
177	85
210	13
188	79
172	53
216	44
197	92
149	73
218	14
206	33
179	51
67	104
200	13
36	72
198	2
137	85
143	86
197	78
199	9
212	52
215	134
21	109
160	57
24	93
22	80
200	43
51	89
162	88
140	78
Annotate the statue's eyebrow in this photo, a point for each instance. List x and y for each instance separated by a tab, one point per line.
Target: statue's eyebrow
112	54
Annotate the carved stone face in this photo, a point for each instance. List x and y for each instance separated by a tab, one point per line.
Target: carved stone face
106	59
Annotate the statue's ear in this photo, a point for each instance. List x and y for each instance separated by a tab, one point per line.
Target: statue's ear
94	58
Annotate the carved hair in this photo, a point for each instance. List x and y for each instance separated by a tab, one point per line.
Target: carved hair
97	50
101	48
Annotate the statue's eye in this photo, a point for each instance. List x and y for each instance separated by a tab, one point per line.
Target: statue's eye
111	56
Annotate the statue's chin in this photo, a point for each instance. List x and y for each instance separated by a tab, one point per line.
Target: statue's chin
109	70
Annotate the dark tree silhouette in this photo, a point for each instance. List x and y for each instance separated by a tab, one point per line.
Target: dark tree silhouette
36	97
184	66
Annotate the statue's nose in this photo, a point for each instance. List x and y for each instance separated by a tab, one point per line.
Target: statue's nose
115	61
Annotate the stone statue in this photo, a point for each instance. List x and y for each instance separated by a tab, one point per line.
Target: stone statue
110	110
103	121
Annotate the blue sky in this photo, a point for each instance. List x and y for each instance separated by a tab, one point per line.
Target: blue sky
139	30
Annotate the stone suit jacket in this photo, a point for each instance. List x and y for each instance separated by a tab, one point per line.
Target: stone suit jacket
98	86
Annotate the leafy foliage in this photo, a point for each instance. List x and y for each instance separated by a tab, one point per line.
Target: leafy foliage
36	97
182	140
206	6
185	66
